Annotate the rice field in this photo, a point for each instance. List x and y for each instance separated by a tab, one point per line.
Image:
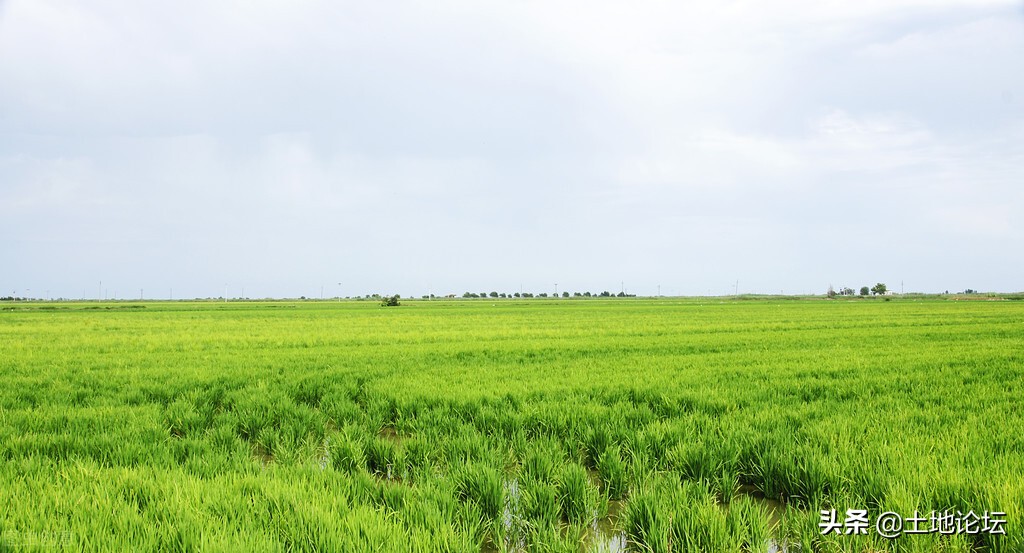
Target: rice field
505	425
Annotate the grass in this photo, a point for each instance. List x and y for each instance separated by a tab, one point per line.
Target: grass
346	426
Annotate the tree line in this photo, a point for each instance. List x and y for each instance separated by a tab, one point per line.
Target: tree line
497	295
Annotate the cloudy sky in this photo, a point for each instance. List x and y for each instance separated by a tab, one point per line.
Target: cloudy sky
445	146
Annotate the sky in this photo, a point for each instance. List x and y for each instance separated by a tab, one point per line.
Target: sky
285	149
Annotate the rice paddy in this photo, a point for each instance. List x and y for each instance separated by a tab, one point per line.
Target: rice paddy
478	425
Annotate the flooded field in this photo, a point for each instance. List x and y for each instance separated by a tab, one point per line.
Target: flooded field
572	425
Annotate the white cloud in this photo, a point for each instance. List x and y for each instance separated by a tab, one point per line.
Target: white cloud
487	140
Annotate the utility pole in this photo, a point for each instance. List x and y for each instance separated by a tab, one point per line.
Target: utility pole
99	292
659	290
556	289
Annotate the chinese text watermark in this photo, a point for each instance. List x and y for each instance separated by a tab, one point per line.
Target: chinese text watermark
892	525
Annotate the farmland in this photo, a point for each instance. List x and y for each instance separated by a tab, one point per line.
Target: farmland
565	425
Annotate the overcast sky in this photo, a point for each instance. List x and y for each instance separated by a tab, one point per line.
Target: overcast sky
446	146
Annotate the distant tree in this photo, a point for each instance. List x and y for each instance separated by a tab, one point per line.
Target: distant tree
503	295
864	290
390	301
586	294
847	291
543	294
831	291
516	295
577	295
878	289
493	294
621	294
565	294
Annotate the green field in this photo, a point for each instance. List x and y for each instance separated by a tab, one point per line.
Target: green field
569	425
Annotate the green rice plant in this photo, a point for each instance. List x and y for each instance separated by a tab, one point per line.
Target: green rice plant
253	426
727	484
540	463
381	456
182	418
420	456
466	447
512	528
347	451
267	443
482	485
867	472
395	496
552	539
647	523
815	481
639	466
612	472
363	529
697	523
596	441
577	498
657	440
788	532
310	390
540	503
518	446
804	530
700	529
224	438
695	461
340	409
747	521
771	474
